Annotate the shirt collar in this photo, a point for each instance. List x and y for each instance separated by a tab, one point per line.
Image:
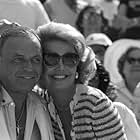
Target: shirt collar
6	98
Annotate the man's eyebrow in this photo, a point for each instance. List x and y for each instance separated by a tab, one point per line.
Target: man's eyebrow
23	54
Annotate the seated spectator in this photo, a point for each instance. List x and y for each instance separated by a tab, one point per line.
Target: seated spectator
122	62
102	81
29	13
99	43
129	9
132	32
90	20
128	14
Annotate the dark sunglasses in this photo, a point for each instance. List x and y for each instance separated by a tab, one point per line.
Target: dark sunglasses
69	59
132	60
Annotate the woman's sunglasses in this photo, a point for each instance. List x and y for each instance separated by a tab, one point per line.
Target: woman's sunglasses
68	59
132	60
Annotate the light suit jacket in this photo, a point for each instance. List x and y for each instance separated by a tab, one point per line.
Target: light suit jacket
36	111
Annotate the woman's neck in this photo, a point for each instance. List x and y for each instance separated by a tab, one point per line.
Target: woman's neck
131	86
62	97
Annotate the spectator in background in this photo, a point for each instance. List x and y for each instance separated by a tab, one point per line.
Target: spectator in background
99	42
106	6
132	32
129	8
29	13
102	81
128	14
122	61
90	20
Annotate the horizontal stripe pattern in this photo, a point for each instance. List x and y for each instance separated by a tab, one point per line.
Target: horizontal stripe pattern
57	131
95	117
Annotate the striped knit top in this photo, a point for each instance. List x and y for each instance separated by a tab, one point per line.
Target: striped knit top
94	117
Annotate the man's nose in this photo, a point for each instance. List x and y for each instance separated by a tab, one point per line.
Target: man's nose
28	66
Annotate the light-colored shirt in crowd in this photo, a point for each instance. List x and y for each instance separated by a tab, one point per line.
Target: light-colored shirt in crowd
62	12
37	115
131	126
30	13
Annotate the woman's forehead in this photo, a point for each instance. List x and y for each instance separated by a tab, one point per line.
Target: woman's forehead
58	46
134	51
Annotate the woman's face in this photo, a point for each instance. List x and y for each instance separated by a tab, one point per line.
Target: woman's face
92	22
61	62
131	69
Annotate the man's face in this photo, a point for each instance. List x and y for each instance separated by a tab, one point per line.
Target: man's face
20	63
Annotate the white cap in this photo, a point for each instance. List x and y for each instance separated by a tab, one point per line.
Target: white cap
98	38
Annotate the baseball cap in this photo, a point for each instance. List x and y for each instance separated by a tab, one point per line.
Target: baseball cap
98	39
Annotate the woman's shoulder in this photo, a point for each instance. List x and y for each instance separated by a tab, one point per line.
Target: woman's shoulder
91	94
89	91
96	110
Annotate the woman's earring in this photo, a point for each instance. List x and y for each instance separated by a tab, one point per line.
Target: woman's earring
76	75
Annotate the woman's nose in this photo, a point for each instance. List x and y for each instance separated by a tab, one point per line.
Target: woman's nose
61	64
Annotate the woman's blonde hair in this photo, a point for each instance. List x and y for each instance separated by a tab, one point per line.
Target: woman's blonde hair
52	31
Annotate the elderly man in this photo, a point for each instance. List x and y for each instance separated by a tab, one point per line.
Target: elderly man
23	115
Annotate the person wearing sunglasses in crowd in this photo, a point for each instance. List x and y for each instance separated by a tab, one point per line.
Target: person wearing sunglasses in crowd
122	61
77	111
102	82
23	113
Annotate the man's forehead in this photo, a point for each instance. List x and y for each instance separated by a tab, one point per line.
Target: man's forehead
22	46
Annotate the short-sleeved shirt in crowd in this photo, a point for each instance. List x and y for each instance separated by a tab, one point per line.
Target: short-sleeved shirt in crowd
133	7
30	13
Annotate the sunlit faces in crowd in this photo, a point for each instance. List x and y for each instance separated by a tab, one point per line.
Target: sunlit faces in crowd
61	62
99	42
20	62
131	68
90	20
